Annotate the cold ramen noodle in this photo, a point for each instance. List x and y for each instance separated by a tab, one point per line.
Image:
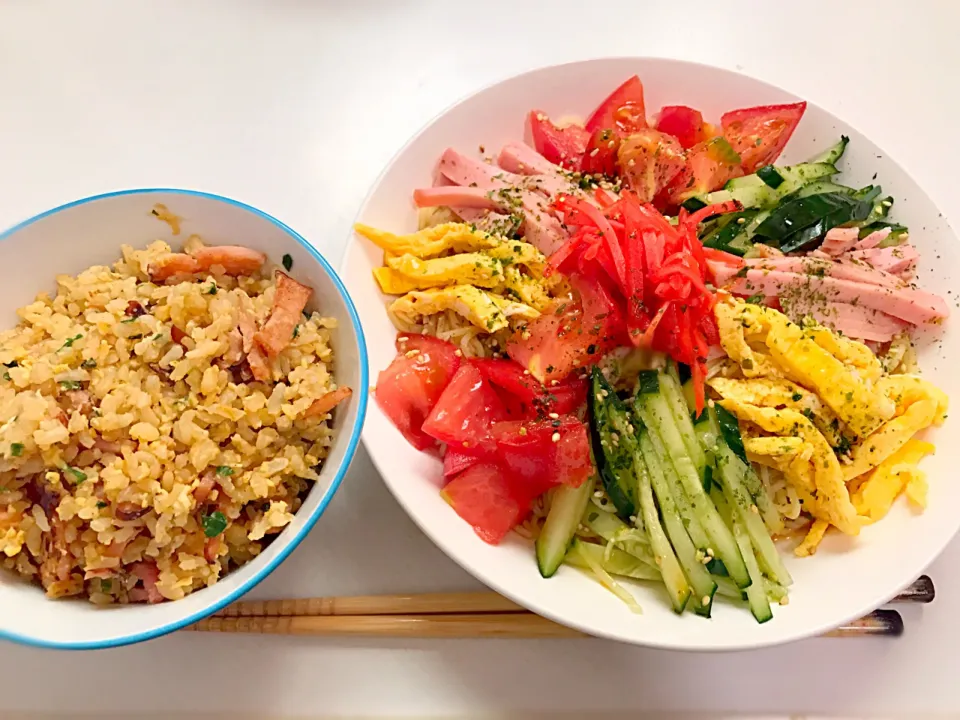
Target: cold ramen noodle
160	421
656	352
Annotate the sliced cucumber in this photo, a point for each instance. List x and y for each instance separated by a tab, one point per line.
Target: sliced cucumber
663	431
736	493
675	524
833	154
612	529
676	582
756	593
614	561
750	196
612	445
770	176
563	518
672	392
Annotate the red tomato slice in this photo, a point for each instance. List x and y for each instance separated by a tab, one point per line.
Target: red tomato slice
563	146
484	496
518	388
455	462
684	123
623	110
759	134
463	414
537	461
709	166
600	157
410	387
649	160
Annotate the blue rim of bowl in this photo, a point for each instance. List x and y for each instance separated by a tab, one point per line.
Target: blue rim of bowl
334	485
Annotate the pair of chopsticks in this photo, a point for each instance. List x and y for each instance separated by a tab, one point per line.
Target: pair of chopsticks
458	615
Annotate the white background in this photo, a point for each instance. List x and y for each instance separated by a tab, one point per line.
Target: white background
294	107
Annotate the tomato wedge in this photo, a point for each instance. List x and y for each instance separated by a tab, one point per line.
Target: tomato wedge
684	123
545	453
520	387
623	110
455	462
709	166
759	134
485	497
410	387
464	413
563	146
600	157
649	160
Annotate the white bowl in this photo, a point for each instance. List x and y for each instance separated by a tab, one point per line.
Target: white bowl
848	577
75	236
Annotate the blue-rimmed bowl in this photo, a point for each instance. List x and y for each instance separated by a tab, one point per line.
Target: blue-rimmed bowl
88	232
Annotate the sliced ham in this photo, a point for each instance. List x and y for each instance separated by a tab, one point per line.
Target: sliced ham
839	240
893	260
854	321
822	266
873	239
471	172
908	304
288	303
459	197
520	158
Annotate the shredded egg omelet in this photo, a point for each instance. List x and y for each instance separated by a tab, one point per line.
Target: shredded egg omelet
820	409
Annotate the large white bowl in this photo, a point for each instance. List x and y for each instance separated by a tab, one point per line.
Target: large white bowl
73	237
847	577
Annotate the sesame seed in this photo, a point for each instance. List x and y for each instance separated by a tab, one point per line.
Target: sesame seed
705	600
526	372
754	509
659	561
604	393
523	431
741	221
458	353
599	397
633	518
630	429
631	162
402	339
785	600
706	559
593	153
466	443
610	145
598	494
555	382
421	358
553	416
555	437
411	353
710	551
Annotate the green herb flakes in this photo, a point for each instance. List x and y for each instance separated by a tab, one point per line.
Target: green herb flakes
214	523
756	299
70	341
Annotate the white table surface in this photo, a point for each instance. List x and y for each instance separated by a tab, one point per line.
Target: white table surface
295	106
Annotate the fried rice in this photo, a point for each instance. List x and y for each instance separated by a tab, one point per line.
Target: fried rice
140	460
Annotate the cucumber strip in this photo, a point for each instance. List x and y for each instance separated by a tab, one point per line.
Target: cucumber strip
676	582
833	154
656	416
684	506
736	493
720	424
612	529
612	448
756	593
770	176
563	519
614	561
674	522
726	588
671	390
750	196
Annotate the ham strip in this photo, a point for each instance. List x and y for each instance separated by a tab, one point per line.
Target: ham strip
839	240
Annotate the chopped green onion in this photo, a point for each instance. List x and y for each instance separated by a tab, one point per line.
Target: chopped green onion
213	289
105	585
101	504
756	299
16	449
78	475
224	471
70	341
88	364
296	330
214	523
128	320
70	384
287	262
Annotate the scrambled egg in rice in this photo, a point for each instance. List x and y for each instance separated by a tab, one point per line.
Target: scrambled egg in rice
160	420
821	410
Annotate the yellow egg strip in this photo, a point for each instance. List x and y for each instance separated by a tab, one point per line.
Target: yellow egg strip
813	539
890	438
432	241
874	498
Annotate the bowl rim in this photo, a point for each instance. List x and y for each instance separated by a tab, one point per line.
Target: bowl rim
311	520
481	575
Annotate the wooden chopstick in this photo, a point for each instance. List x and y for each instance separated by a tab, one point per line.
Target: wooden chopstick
522	625
458	615
424	604
921	591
